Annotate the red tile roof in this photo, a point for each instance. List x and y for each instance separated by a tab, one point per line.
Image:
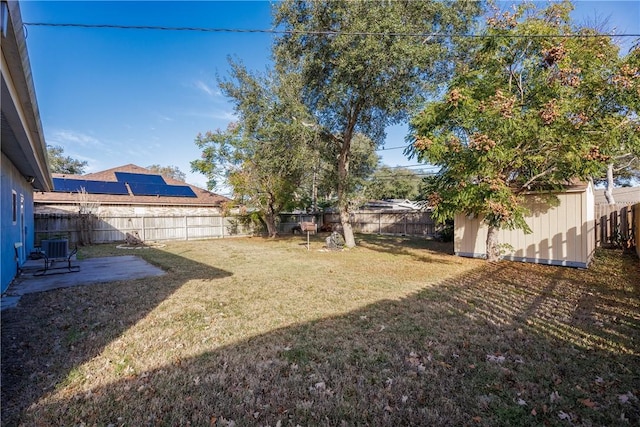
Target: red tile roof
203	197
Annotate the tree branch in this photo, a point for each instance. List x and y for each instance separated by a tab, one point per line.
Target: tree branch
532	179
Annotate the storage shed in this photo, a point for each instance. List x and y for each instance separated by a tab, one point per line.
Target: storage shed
563	233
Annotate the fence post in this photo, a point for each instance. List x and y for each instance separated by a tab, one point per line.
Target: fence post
405	223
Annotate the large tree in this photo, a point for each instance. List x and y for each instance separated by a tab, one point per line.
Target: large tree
59	163
363	63
264	155
532	108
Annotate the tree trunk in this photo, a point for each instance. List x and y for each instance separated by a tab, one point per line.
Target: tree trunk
493	252
343	204
271	218
347	230
272	228
343	185
608	192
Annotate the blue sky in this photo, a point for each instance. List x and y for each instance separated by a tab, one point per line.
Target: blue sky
113	97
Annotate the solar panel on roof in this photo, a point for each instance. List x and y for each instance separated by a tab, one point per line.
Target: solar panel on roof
142	189
180	191
140	178
91	187
66	185
106	187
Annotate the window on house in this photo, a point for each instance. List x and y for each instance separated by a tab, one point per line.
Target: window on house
14	206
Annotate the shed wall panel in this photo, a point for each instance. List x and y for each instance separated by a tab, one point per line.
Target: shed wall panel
562	233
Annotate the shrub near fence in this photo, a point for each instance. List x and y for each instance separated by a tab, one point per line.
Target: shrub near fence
106	229
615	225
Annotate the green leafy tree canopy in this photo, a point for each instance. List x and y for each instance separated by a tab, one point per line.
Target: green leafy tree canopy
529	109
358	75
173	172
264	155
393	183
59	163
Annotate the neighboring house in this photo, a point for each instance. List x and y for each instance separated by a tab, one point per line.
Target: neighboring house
126	199
561	235
393	204
24	159
622	196
121	194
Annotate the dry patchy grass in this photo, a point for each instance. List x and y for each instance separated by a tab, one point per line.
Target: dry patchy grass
394	332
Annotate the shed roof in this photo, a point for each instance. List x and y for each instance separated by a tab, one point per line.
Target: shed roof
203	197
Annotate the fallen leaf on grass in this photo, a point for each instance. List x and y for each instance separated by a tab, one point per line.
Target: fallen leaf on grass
477	419
534	412
588	403
521	402
555	396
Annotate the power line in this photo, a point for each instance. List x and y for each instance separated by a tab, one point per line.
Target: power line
423	166
318	33
393	148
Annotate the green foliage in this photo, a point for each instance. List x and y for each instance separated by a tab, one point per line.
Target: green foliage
393	183
360	78
59	163
263	156
173	172
526	114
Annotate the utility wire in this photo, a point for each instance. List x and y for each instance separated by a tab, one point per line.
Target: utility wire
392	148
317	33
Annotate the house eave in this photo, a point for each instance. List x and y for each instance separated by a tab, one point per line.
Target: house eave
22	136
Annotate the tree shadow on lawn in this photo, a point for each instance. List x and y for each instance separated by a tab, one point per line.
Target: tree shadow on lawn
405	245
505	344
73	325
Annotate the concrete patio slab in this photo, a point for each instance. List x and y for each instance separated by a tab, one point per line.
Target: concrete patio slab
92	271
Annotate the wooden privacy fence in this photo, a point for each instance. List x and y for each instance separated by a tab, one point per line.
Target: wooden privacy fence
88	229
615	225
406	223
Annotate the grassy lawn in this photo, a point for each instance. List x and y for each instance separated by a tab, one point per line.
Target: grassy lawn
394	332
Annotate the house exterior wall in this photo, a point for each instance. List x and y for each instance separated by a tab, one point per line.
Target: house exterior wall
13	184
561	235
